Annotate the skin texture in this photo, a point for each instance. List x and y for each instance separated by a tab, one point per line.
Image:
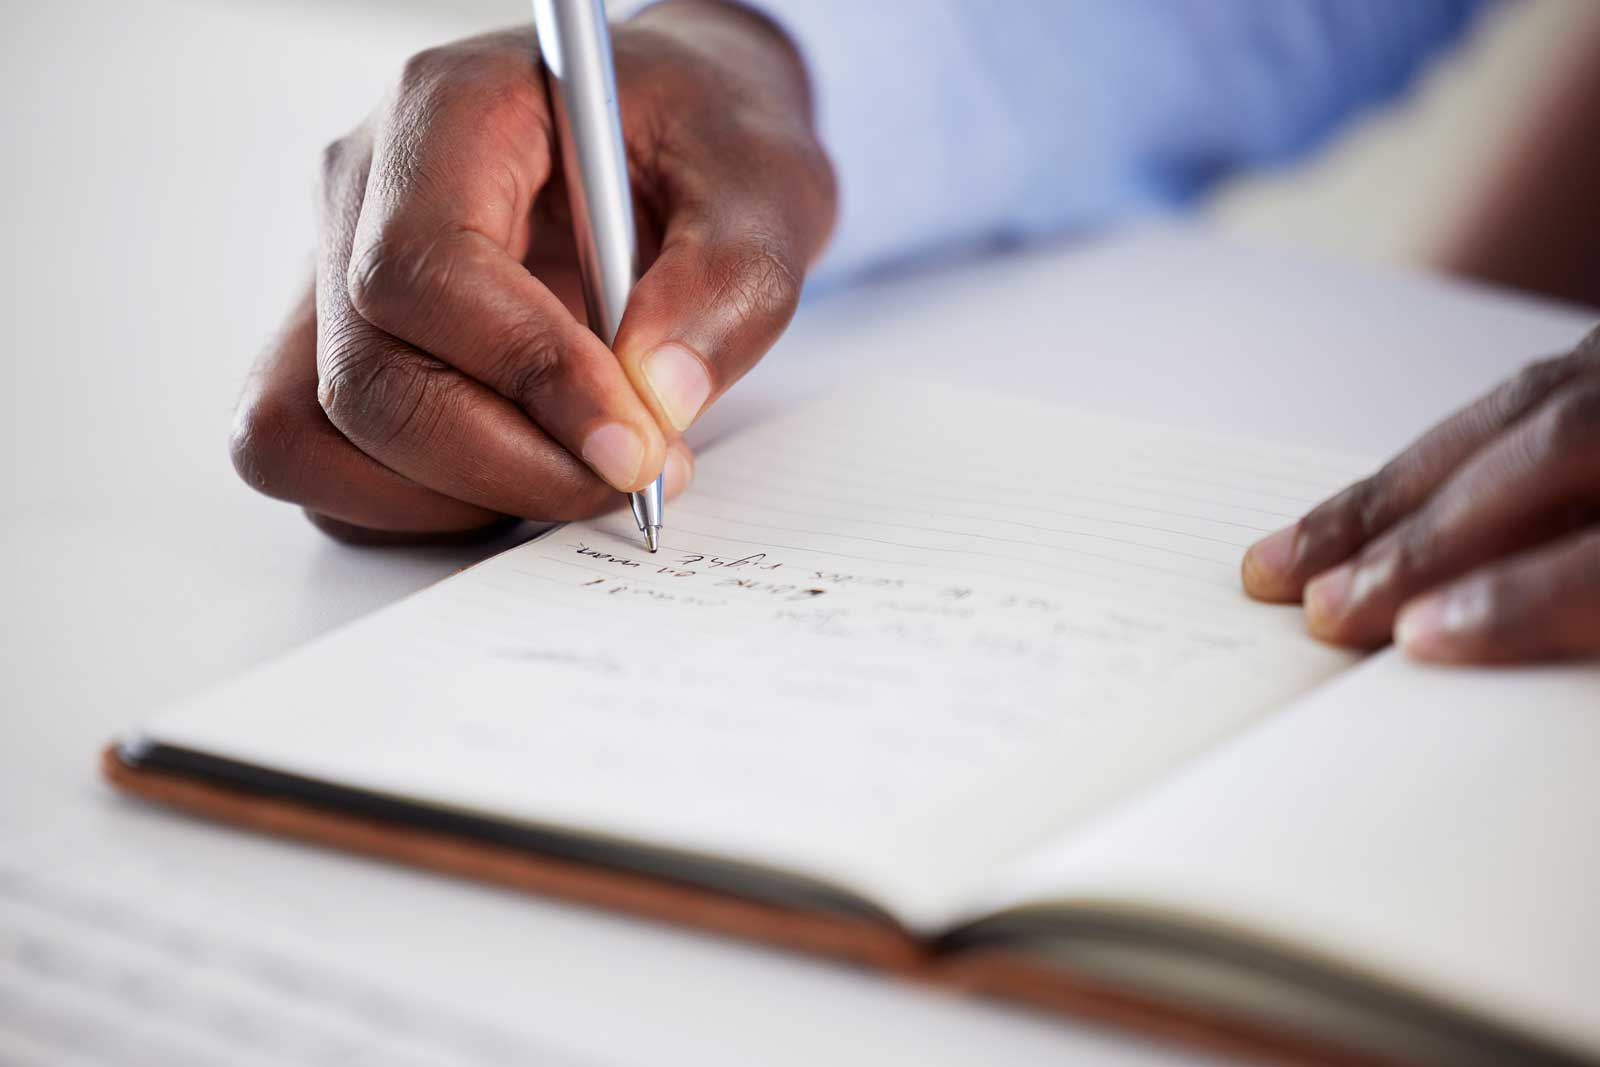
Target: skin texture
437	380
1479	543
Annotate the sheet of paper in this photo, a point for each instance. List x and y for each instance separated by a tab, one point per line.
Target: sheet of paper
1435	827
132	963
890	640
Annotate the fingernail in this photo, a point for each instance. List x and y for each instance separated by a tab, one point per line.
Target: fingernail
1432	626
679	471
1326	597
1420	629
615	452
1267	562
679	381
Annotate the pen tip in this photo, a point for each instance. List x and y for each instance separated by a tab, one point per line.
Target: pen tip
652	537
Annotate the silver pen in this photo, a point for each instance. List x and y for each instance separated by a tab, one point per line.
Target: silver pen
575	44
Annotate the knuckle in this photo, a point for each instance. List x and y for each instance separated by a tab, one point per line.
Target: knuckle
376	398
338	156
1587	352
1351	516
817	165
1570	420
531	365
264	443
1370	503
487	79
342	358
371	280
391	277
334	155
1412	553
341	176
504	98
826	180
1322	533
1356	520
422	71
338	385
816	187
1393	568
342	172
1525	389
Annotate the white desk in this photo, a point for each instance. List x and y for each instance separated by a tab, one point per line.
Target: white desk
157	208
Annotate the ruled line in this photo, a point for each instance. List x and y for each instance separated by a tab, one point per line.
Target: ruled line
719	473
700	494
963	533
1311	465
766	467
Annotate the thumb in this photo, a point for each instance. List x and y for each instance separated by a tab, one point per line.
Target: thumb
722	290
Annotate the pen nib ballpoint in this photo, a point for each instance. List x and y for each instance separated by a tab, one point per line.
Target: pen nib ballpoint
646	505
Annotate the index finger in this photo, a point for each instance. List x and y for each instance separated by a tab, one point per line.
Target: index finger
416	416
1278	566
436	257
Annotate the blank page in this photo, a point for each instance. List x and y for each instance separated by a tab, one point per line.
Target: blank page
1436	828
891	639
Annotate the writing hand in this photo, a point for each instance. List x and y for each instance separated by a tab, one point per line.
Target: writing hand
1479	543
439	377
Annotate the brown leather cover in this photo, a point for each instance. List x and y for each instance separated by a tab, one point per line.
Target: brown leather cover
859	941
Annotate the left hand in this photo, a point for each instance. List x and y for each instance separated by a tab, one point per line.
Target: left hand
1479	543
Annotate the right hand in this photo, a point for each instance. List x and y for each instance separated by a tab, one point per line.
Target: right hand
438	377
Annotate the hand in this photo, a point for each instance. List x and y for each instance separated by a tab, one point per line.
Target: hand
1479	543
438	376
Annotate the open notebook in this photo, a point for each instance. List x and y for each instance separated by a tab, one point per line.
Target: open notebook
964	686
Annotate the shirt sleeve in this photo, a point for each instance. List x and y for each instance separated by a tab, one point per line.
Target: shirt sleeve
956	124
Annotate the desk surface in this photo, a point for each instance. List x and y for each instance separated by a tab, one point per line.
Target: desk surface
157	208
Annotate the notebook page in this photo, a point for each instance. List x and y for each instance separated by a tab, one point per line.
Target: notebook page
1434	827
890	640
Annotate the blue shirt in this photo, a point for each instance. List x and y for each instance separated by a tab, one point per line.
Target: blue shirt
959	124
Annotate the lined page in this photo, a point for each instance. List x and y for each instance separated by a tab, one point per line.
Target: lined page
891	639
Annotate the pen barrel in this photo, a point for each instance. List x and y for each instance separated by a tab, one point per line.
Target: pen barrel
575	45
646	504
